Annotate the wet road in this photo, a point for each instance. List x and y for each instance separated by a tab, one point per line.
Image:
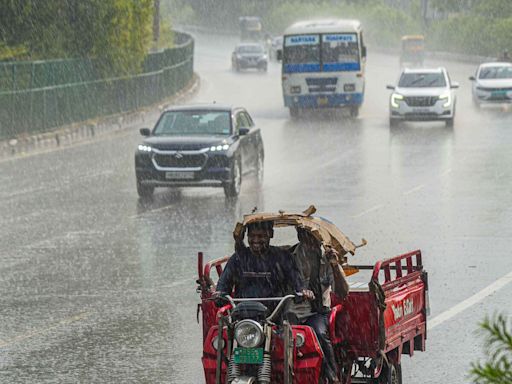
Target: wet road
97	286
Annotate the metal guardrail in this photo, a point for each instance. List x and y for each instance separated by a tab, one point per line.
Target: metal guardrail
40	109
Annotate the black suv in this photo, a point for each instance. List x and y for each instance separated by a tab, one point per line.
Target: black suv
249	55
201	146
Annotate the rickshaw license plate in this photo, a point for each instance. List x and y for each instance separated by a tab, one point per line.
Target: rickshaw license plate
178	175
322	101
248	355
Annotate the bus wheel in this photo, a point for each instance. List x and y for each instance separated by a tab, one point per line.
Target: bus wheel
294	111
354	111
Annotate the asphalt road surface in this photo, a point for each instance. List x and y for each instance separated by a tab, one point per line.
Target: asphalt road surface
99	287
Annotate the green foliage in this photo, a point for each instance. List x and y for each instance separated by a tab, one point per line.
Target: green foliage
472	34
493	8
382	24
117	31
498	368
179	11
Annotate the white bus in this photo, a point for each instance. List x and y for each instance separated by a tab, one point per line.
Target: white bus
323	65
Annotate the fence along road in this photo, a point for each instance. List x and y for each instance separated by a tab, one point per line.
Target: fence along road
38	96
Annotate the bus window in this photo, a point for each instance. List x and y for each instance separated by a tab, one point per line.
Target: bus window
303	49
340	48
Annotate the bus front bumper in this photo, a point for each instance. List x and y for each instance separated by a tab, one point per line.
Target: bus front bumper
323	101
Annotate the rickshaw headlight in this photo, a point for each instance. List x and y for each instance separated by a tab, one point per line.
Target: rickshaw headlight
395	98
248	333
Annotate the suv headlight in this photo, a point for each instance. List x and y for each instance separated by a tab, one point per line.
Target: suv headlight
248	333
218	148
144	148
395	98
446	96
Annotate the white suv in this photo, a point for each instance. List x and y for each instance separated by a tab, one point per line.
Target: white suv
422	95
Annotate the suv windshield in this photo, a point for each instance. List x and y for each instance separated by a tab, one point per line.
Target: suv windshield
202	122
495	73
422	80
250	49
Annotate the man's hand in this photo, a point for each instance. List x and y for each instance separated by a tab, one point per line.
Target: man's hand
308	295
218	298
332	256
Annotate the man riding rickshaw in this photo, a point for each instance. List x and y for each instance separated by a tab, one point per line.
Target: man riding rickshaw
277	314
413	50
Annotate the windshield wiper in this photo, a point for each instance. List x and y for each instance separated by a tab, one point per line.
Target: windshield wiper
416	81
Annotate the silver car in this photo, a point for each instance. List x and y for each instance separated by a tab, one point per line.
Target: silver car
492	84
423	95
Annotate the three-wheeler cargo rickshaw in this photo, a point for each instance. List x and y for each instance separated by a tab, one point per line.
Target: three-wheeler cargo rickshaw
379	321
413	50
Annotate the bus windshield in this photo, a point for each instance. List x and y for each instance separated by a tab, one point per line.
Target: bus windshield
340	48
301	49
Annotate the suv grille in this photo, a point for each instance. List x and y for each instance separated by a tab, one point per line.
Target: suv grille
420	101
180	160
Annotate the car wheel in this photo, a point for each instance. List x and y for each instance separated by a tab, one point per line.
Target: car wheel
354	111
449	122
393	122
232	188
294	112
144	190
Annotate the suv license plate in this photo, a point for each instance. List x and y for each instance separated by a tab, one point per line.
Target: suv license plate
248	355
178	175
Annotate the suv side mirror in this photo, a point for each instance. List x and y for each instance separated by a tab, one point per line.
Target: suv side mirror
279	54
145	131
454	85
242	131
392	87
472	78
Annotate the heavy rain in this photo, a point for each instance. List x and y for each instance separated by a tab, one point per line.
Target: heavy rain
134	135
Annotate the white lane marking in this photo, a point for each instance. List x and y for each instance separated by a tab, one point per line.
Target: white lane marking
417	188
40	331
368	211
476	298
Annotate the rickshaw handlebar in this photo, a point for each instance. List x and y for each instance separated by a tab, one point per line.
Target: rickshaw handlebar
282	301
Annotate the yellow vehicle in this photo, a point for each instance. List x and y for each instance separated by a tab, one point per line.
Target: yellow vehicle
413	50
